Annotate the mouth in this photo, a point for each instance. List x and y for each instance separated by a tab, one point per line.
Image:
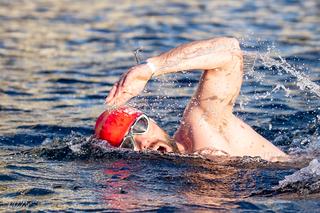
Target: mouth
165	146
162	149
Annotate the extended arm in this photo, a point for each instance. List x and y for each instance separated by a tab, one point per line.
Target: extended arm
198	55
211	54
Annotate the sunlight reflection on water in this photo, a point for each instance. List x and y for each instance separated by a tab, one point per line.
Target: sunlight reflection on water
58	60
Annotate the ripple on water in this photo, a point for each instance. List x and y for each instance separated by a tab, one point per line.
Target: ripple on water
30	192
4	177
18	167
59	58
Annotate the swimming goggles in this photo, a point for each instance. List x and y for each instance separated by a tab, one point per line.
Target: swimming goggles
139	127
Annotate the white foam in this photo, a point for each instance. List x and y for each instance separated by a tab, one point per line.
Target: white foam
305	175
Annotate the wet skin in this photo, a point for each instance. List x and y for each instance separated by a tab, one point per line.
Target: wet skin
208	121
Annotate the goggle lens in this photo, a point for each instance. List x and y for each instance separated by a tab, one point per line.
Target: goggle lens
128	143
141	125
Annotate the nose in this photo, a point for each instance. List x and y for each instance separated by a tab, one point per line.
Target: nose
145	144
140	143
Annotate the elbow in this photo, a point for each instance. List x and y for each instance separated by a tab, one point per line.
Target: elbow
233	43
230	42
233	46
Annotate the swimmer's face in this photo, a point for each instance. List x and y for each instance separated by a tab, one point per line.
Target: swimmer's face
154	139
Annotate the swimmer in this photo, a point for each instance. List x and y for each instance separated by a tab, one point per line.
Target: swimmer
208	121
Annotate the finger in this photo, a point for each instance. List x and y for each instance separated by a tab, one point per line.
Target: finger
119	94
122	99
129	93
125	96
123	79
127	81
119	90
111	93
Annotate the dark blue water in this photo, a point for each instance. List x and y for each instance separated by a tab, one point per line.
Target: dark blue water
59	59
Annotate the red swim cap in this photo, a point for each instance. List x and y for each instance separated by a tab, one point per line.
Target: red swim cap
113	125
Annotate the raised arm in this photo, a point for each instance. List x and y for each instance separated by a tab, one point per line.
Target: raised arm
211	54
198	55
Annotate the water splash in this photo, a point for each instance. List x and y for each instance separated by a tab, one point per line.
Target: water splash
304	181
280	65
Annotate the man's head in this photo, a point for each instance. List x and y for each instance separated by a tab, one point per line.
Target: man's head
128	127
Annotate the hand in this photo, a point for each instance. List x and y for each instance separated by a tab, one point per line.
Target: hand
130	85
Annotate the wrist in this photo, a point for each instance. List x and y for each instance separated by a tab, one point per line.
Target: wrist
152	66
149	66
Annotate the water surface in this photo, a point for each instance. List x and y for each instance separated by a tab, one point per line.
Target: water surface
59	59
